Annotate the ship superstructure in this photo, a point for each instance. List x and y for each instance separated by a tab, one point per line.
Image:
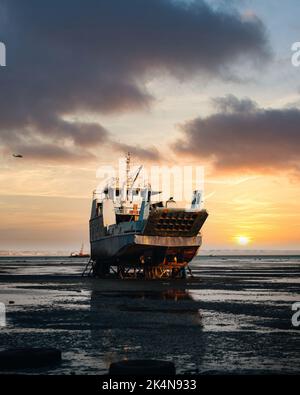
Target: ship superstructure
131	235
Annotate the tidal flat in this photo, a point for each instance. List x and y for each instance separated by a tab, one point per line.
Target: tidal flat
233	317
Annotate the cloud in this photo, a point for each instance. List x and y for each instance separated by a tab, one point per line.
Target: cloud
242	136
231	104
95	57
149	153
82	134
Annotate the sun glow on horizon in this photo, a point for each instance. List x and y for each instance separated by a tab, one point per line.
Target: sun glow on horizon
242	240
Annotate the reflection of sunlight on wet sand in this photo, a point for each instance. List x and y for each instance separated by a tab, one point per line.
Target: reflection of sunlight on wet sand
246	296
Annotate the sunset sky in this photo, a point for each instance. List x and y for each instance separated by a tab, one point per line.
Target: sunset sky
173	81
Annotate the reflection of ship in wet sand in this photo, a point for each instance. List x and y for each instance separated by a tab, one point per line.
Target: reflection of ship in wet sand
132	235
79	254
147	324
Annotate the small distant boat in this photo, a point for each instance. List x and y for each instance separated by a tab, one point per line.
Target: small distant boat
79	254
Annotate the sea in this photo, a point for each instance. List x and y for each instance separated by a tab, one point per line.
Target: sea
236	315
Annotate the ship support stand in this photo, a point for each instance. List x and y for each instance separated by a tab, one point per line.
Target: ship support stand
149	272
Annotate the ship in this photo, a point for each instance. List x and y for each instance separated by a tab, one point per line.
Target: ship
79	254
131	235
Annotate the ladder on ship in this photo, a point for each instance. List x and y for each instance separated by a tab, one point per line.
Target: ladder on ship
89	269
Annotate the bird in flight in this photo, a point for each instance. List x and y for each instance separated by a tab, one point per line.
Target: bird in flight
17	156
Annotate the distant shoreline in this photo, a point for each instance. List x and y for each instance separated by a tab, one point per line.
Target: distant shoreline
203	253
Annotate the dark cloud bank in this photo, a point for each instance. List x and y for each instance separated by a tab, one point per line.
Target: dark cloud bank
240	135
93	56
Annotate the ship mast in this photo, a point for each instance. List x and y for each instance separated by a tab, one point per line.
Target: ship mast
128	178
81	249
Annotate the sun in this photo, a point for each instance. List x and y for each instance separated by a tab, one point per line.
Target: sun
242	240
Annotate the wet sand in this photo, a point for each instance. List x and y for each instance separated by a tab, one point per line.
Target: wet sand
234	316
